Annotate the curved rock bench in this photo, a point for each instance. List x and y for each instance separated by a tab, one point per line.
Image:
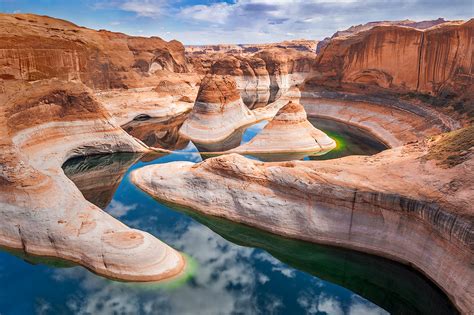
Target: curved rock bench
41	211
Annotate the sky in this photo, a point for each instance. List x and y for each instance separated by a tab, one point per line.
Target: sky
196	22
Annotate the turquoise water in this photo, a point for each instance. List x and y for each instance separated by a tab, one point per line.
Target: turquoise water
239	270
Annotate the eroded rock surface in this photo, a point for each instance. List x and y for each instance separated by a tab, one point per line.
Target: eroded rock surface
288	133
217	113
396	204
433	62
34	47
42	212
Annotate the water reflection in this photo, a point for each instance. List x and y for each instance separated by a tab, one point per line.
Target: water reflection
158	132
99	176
350	140
240	270
260	98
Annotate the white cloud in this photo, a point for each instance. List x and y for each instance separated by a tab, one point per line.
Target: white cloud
118	209
215	13
148	8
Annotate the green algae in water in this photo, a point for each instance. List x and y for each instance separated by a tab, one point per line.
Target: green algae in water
350	140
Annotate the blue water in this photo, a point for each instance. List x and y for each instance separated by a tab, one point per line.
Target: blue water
239	270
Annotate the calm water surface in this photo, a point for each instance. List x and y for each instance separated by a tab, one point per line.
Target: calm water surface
237	269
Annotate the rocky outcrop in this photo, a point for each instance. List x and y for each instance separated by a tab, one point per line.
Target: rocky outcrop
36	47
436	61
41	211
289	133
392	120
398	204
217	113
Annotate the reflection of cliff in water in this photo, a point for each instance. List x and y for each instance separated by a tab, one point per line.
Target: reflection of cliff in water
260	98
391	285
99	176
158	132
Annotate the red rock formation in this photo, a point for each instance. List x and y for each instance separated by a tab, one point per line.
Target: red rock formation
367	26
217	115
36	47
436	61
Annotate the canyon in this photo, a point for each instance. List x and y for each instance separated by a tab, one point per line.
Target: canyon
67	91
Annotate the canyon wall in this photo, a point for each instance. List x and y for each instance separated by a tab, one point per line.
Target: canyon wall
36	47
437	61
367	26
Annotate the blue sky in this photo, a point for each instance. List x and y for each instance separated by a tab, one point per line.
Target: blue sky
237	21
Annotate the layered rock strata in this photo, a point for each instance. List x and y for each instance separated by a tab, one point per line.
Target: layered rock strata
217	113
395	123
412	204
41	211
367	26
288	133
433	62
36	47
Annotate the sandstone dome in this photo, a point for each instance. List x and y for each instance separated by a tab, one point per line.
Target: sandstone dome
217	113
289	132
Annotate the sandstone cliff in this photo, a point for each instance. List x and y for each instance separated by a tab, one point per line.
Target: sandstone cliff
367	26
36	47
275	68
437	61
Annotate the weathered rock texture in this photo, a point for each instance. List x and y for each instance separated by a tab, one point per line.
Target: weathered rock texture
288	133
41	211
394	122
404	203
271	68
367	26
217	113
36	47
437	61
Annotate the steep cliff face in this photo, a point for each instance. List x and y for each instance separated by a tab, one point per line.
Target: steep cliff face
36	47
367	26
437	61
